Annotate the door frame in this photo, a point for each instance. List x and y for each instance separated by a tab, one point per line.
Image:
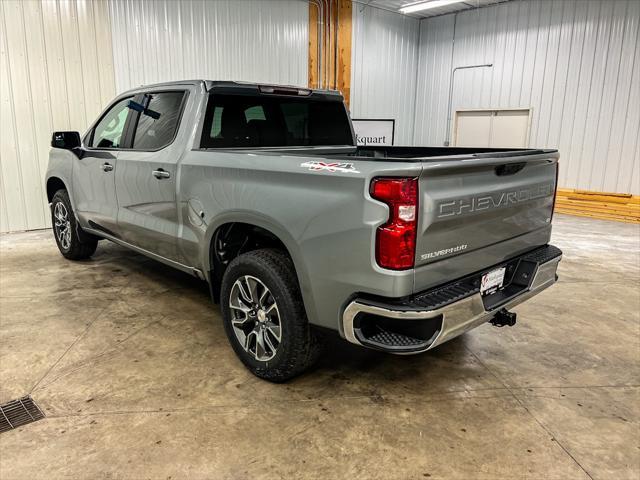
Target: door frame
458	111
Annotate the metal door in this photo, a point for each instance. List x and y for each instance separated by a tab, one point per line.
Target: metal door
94	173
146	175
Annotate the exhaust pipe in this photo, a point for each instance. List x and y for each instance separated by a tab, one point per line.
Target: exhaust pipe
504	318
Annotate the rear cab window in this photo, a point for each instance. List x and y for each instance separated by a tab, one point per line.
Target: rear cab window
236	120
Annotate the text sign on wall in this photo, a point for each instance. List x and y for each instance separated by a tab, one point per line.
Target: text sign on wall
371	132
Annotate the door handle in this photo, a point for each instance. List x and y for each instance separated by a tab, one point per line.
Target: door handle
160	174
107	167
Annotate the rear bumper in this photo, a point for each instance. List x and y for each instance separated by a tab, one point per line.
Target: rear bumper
423	321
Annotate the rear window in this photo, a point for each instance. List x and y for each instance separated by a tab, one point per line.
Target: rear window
264	121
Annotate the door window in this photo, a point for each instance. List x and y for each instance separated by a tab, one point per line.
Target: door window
158	123
108	133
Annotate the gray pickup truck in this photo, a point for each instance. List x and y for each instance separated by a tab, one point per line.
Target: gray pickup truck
260	191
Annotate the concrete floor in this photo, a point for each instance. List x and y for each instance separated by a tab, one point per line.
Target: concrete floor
131	366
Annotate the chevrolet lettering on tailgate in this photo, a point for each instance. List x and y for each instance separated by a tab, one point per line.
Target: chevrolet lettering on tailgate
486	202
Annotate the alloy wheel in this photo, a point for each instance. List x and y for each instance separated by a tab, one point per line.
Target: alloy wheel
62	225
255	318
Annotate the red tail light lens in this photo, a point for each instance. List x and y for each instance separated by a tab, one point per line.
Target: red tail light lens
396	239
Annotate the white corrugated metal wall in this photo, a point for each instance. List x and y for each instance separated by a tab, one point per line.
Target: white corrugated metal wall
434	67
63	61
56	74
575	63
384	59
249	40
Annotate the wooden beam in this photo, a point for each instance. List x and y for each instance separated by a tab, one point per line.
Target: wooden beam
344	48
334	58
313	45
606	206
330	43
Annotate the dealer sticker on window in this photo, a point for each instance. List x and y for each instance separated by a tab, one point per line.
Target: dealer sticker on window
492	281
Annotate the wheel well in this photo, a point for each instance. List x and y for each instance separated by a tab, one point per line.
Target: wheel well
53	185
231	240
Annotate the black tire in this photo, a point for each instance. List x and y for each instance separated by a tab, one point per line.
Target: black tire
76	245
299	345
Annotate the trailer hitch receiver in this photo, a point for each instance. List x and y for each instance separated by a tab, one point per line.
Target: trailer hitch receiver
504	318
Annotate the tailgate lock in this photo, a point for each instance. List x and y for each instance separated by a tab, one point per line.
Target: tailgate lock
504	318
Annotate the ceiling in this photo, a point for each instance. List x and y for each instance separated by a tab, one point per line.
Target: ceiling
394	6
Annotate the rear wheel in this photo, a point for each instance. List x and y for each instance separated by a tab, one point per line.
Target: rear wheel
72	242
264	316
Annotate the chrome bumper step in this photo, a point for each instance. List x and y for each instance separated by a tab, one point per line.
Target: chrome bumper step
445	312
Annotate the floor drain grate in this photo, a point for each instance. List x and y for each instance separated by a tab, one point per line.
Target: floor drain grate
19	412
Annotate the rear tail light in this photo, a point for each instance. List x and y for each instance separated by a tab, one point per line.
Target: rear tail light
396	239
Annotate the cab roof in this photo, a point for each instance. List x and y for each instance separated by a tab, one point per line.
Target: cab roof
227	86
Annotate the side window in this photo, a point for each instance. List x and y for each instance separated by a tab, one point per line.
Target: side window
254	113
158	123
216	124
108	133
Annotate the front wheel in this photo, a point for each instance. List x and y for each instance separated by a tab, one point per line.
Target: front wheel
72	244
264	317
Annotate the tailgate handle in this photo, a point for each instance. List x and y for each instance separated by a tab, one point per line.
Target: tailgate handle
509	168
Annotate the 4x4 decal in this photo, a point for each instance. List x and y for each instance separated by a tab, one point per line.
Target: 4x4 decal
316	166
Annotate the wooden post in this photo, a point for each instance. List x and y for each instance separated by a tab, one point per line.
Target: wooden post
314	81
344	48
335	58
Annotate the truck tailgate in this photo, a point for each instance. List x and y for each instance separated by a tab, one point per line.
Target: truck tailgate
479	211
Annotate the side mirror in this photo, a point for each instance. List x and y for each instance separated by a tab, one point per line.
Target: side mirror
66	140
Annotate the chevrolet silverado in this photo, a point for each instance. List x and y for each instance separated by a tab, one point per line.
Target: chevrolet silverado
261	191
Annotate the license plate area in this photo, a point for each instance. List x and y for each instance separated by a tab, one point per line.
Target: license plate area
492	281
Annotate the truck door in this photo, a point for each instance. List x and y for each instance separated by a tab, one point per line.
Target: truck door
146	175
94	173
